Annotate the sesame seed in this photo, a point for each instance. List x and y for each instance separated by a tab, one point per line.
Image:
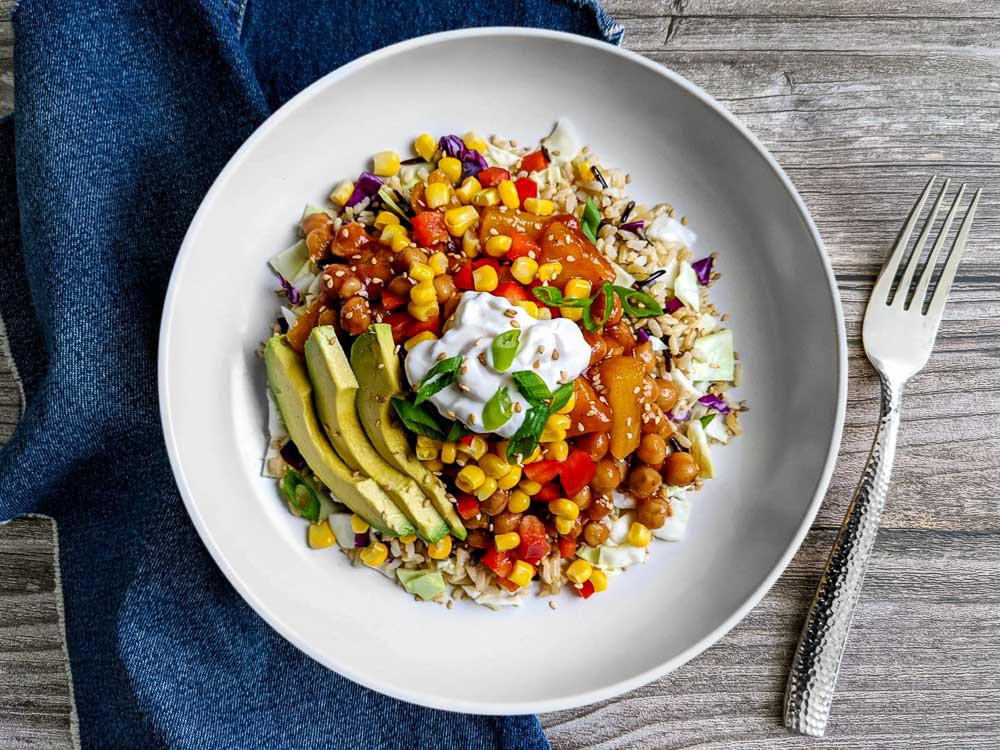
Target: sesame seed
472	418
518	407
570	258
514	324
464	388
537	363
555	354
628	435
451	413
441	357
338	274
345	232
540	349
381	365
510	313
552	604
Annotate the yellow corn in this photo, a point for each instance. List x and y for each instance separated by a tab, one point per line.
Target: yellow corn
485	279
435	465
408	539
529	486
473	141
358	524
423	293
423	313
470	186
508	194
399	243
390	231
476	448
428	441
528	306
342	193
470	478
441	549
570	405
558	422
438	263
384	219
564	525
548	271
599	580
500	447
452	167
522	573
426	452
498	245
638	534
507	541
540	206
448	453
425	146
421	272
459	220
584	171
418	339
487	488
579	572
544	313
385	163
321	535
564	509
470	244
486	197
576	289
510	479
557	451
374	554
524	269
536	455
438	175
436	194
519	501
550	435
493	465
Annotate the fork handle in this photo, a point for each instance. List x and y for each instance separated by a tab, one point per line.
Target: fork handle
809	693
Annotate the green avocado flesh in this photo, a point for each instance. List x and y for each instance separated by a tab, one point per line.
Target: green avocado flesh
335	389
374	360
425	584
289	382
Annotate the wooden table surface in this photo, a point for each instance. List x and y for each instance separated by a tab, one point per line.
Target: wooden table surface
860	101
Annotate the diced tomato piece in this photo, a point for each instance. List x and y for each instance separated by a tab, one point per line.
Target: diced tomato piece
419	326
499	562
468	506
492	176
550	491
507	584
586	590
543	471
522	245
534	162
392	301
567	547
513	292
463	278
526	188
577	471
534	543
429	229
399	321
466	439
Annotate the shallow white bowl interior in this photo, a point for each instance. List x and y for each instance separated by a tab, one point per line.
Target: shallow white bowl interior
679	147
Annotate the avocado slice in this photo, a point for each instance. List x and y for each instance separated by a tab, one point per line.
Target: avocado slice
373	357
289	382
335	388
424	583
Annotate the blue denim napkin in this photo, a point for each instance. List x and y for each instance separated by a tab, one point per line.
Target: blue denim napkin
125	112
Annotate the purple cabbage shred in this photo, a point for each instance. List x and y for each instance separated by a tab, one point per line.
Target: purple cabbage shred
681	417
366	186
703	268
472	161
361	540
290	291
672	305
633	226
713	401
292	456
642	337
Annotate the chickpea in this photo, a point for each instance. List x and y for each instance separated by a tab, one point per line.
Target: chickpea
328	317
506	522
449	307
595	533
445	287
355	316
669	395
495	503
607	476
653	512
318	242
652	449
315	221
476	522
644	353
598	346
599	507
401	286
680	469
477	538
650	391
350	285
623	334
576	530
582	498
614	348
406	257
644	481
652	419
596	445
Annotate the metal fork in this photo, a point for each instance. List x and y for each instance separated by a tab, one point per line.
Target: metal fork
899	332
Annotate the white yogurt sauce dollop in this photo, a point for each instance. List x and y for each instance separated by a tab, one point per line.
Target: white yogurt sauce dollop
480	318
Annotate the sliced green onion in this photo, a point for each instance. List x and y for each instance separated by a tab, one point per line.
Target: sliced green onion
589	322
591	220
498	409
531	386
551	296
561	397
505	349
525	440
439	377
456	431
301	494
638	304
707	420
417	419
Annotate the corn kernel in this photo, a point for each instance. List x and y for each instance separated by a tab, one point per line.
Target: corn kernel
470	186
423	293
321	535
536	455
486	197
441	549
524	269
358	524
448	453
558	422
508	194
399	243
569	406
342	193
459	220
510	479
470	244
564	525
392	230
540	206
571	313
423	313
473	141
436	194
528	306
599	580
638	534
428	441
438	263
584	171
518	502
419	339
498	245
522	573
564	509
557	451
434	465
485	279
529	486
476	447
507	541
385	163
452	167
487	488
550	435
493	465
408	539
470	478
544	313
374	554
548	271
421	272
426	452
579	572
384	219
577	289
425	146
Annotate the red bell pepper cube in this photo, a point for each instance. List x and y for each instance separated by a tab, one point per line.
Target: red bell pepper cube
567	547
526	188
400	322
577	471
392	301
419	326
550	491
522	245
512	292
499	562
509	585
543	471
480	262
534	162
534	543
429	229
586	590
463	279
468	506
466	439
492	176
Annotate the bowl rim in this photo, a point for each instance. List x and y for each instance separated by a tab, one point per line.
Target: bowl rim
374	682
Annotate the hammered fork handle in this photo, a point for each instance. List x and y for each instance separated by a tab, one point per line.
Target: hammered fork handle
813	675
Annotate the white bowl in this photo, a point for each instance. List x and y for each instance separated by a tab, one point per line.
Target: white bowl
680	146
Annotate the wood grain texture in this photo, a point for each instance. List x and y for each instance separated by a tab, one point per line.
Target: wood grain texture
860	100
